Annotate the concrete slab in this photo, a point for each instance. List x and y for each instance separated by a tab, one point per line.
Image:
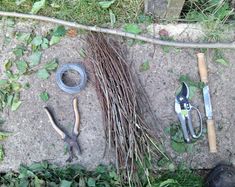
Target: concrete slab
34	139
161	82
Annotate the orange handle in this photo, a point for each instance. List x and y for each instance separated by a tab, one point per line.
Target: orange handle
211	135
58	130
202	67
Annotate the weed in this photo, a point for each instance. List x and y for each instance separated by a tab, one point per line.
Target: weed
212	14
219	58
46	174
179	178
177	140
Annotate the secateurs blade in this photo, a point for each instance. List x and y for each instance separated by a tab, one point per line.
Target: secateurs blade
183	109
71	141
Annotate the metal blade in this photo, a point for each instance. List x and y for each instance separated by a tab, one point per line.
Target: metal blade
207	102
184	90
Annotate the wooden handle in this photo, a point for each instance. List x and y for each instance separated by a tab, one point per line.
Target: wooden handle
202	67
211	135
77	117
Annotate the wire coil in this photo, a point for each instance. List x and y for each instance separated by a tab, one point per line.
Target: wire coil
79	68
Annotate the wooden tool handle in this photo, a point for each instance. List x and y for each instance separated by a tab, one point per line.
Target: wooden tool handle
77	117
211	135
202	67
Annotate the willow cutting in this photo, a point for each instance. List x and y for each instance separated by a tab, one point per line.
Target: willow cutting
126	131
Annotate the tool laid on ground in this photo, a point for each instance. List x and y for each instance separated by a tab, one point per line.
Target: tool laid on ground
80	69
183	109
70	140
207	101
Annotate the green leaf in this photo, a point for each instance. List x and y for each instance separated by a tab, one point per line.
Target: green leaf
192	91
145	66
4	135
45	43
38	182
44	96
65	183
37	41
59	31
222	62
54	40
37	6
11	76
4	83
16	86
112	18
37	167
168	183
21	66
9	100
35	58
15	105
51	65
23	37
8	65
132	28
189	82
26	86
43	74
178	147
91	182
113	175
106	4
19	51
1	153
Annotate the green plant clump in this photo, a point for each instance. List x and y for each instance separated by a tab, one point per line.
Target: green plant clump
179	178
90	12
46	174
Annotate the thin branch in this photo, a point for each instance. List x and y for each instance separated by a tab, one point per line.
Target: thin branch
121	33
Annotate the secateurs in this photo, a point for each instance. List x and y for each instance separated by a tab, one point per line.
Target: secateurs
183	109
70	140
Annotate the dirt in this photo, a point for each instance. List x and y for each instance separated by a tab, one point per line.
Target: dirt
35	140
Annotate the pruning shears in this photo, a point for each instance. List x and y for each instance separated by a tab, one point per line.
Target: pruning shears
183	109
71	141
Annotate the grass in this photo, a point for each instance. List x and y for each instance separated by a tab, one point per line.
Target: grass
212	14
83	11
179	178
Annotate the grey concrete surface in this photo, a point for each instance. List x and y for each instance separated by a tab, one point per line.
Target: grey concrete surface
161	82
35	140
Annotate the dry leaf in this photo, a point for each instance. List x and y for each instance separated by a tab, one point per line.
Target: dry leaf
72	32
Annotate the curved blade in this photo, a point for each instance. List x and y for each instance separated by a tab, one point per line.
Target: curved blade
184	91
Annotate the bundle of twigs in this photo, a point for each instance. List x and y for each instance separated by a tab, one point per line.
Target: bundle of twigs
126	130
